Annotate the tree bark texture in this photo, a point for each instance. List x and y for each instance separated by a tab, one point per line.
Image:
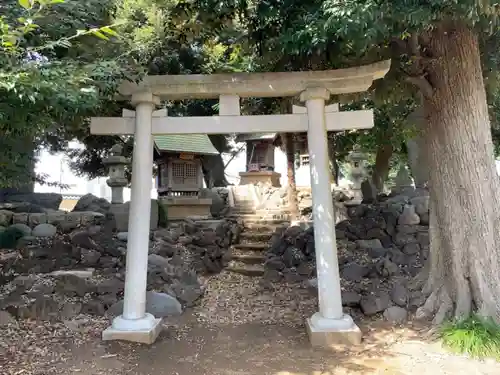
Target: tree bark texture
292	186
382	165
464	203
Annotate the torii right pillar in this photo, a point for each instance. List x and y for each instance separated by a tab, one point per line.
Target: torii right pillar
328	327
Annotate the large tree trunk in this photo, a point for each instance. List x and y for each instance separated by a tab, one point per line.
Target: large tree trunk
465	261
292	186
382	165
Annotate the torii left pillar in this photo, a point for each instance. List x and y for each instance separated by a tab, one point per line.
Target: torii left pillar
135	324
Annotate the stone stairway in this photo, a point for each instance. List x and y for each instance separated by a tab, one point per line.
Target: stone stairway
249	255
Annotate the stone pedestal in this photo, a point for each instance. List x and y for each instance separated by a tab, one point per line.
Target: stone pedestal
121	214
265	177
330	337
122	329
183	208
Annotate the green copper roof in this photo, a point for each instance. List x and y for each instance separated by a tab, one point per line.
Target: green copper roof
255	137
193	143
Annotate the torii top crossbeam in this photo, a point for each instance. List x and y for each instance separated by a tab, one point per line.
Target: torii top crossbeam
200	86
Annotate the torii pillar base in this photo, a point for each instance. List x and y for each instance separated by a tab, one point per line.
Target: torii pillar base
147	334
332	336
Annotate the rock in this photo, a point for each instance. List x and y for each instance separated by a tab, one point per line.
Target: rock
93	307
89	257
402	239
423	239
421	204
44	230
368	244
158	304
122	236
272	275
411	249
82	238
6	319
158	261
35	219
275	263
293	257
71	285
26	230
188	295
398	257
386	268
43	308
424	219
70	310
90	202
110	286
409	216
350	299
396	315
6	218
50	201
376	252
399	295
373	304
354	272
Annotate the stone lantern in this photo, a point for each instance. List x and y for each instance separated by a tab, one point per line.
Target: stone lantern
357	161
403	181
116	163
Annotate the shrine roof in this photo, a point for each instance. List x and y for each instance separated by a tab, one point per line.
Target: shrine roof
255	137
192	143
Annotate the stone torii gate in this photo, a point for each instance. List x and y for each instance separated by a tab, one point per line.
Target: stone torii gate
329	325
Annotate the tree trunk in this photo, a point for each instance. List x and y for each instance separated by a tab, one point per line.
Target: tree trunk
465	261
292	187
214	171
382	165
416	148
333	160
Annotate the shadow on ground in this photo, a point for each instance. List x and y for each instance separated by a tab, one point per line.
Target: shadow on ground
250	349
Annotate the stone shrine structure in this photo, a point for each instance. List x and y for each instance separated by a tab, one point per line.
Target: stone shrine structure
327	327
180	174
260	149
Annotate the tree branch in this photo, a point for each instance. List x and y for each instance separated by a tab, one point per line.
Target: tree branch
423	84
414	45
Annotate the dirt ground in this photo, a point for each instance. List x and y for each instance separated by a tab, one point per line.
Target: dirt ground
240	328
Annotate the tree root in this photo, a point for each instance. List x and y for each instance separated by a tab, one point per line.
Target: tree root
438	305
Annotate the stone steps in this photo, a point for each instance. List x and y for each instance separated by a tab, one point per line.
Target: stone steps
251	258
256	236
253	218
246	269
251	246
257	227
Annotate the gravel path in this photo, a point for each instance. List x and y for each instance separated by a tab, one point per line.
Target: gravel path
241	328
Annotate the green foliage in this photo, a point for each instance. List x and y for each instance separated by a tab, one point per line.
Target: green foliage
475	336
10	237
49	80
